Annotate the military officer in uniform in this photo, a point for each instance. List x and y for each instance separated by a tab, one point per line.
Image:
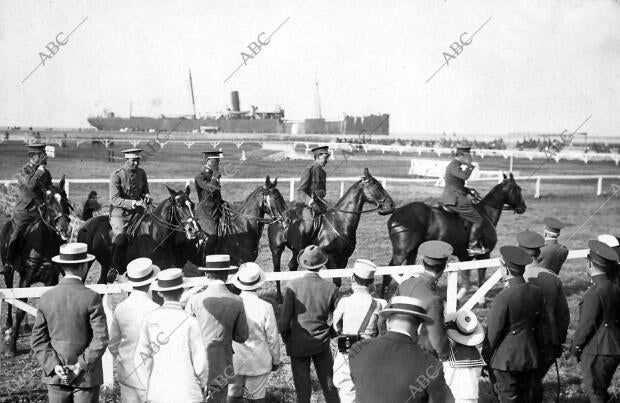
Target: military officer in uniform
129	193
313	183
32	180
516	330
433	338
596	341
556	305
209	192
553	254
456	197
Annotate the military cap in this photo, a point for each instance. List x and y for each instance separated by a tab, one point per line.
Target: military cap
132	153
213	154
463	148
435	253
601	254
35	148
320	150
515	258
530	240
553	225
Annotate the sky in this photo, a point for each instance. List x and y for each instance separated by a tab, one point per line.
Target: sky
533	67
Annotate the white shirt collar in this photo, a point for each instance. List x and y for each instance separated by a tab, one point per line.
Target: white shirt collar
73	276
216	281
400	331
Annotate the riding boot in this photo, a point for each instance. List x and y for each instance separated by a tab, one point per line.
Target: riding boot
11	252
474	236
119	249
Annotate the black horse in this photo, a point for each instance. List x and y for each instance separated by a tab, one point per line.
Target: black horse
241	227
335	234
417	222
158	236
39	243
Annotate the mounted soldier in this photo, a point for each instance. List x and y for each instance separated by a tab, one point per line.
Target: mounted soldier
33	180
129	196
456	197
208	188
313	184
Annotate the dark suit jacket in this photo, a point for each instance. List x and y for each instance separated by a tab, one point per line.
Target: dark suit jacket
313	180
125	187
308	302
393	369
70	327
553	255
433	338
598	331
32	183
455	192
556	306
517	327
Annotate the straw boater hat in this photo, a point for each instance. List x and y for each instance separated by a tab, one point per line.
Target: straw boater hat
217	263
464	328
364	269
408	306
141	271
312	258
73	253
170	279
249	277
609	240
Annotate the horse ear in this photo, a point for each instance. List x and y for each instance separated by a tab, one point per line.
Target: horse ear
267	181
512	176
172	192
505	177
188	190
61	184
366	173
275	182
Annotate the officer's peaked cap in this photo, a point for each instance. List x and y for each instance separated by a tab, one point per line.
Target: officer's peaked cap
320	150
435	253
35	148
132	153
515	258
530	240
601	254
213	154
553	225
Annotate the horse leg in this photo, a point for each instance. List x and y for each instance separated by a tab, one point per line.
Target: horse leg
7	331
276	256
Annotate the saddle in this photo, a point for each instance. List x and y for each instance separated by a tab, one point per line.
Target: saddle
133	226
300	217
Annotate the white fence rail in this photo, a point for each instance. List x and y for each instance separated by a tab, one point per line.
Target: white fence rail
384	180
399	273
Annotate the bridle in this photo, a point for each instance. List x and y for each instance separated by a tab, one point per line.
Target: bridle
266	202
369	197
53	219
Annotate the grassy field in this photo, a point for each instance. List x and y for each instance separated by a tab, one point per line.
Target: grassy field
574	203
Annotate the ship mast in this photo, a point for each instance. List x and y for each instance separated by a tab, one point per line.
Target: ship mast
191	87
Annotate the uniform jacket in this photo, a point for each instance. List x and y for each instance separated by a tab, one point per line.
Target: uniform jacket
351	311
308	302
70	327
124	332
262	348
207	185
125	187
455	192
392	368
222	320
173	355
433	338
313	181
598	330
556	306
32	183
516	327
553	255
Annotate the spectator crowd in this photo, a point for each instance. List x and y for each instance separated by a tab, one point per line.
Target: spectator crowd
220	342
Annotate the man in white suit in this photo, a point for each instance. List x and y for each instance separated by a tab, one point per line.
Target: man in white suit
125	329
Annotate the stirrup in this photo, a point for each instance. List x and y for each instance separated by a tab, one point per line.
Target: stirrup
7	268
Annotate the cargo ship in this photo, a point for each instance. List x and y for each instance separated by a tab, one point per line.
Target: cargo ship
237	121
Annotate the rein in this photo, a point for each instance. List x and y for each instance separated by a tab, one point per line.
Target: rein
260	220
331	207
50	226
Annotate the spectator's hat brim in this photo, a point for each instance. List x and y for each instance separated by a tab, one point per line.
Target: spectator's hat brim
169	280
407	306
73	253
464	328
249	277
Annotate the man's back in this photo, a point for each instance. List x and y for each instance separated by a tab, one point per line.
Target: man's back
393	369
308	301
552	256
70	328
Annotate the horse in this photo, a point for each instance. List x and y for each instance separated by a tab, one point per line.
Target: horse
416	222
335	233
39	243
241	229
158	234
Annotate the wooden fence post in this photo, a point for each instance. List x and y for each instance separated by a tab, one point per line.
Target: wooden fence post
291	197
599	187
341	188
537	191
107	361
453	278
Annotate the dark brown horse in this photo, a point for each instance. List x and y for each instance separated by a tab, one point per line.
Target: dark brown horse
335	233
417	222
157	237
39	243
242	226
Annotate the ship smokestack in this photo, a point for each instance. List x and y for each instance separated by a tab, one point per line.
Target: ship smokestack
235	101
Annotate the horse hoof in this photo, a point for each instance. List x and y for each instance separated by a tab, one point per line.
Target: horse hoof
112	274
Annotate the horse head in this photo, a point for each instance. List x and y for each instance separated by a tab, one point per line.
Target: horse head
512	194
56	210
183	211
273	203
374	193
